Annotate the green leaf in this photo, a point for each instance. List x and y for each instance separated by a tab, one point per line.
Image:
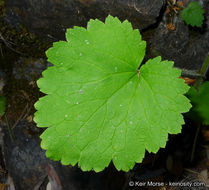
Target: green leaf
200	102
99	107
2	105
193	14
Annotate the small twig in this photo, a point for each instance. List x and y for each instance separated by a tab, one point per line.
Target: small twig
7	44
202	72
26	114
173	5
205	146
170	2
195	142
191	171
21	116
197	174
40	182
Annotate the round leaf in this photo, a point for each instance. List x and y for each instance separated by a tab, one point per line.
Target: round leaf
99	107
193	14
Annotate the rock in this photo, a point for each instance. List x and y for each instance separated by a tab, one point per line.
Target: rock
187	46
25	160
51	18
166	34
29	69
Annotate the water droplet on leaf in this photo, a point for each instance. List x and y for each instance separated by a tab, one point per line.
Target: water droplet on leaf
81	91
87	42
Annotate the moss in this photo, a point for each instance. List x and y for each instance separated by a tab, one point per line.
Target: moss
22	41
16	42
19	39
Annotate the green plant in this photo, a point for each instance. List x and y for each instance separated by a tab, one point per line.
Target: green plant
199	97
2	105
200	103
100	106
193	14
